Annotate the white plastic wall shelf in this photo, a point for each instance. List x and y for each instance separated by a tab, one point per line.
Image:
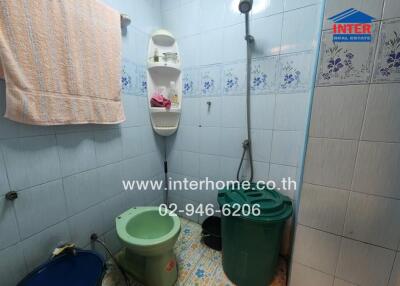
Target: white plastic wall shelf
161	73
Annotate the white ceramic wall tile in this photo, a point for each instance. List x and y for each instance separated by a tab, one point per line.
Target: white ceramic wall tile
189	137
345	62
231	141
387	65
338	111
377	168
8	224
210	45
234	45
262	111
211	14
210	167
189	14
232	14
234	78
295	4
228	172
286	147
31	161
330	162
295	72
235	115
131	143
40	207
364	264
279	172
316	249
210	140
261	144
302	275
113	241
210	80
300	31
263	75
262	8
12	265
189	49
267	32
190	111
112	208
261	170
77	152
110	178
340	282
210	114
382	119
174	161
373	220
170	4
4	187
190	82
323	208
391	9
395	277
291	111
39	247
370	7
108	146
191	164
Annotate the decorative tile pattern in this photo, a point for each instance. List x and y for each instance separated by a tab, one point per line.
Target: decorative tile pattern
234	78
128	77
263	75
141	81
190	82
387	67
210	80
198	264
345	63
295	72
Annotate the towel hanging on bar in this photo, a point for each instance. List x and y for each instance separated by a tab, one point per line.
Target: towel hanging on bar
61	61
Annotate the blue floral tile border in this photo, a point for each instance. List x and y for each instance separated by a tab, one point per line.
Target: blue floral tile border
210	80
345	62
141	84
387	66
128	77
190	82
263	75
234	78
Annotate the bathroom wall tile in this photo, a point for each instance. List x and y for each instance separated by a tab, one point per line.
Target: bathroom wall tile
210	80
151	142
110	180
345	62
12	265
190	164
108	146
376	170
210	114
302	275
211	14
262	8
382	119
279	172
234	45
31	161
263	75
4	187
316	249
113	241
112	208
291	111
40	207
77	152
189	14
235	115
338	111
228	172
190	111
170	4
82	225
141	84
209	167
128	77
234	78
8	224
395	277
364	264
300	30
211	46
295	72
231	141
391	9
261	144
387	65
262	111
189	137
373	220
210	140
232	14
267	32
81	191
131	142
286	147
135	115
295	4
190	53
261	170
340	282
134	169
323	208
190	82
38	248
171	20
370	7
330	162
174	161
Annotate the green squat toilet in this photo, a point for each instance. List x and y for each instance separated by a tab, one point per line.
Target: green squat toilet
149	239
251	242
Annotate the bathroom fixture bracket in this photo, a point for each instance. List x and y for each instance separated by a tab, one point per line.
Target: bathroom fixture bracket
11	196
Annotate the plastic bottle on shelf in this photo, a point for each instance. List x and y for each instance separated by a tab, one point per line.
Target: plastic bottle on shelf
173	95
156	56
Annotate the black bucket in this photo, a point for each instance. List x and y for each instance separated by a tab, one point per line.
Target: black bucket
211	234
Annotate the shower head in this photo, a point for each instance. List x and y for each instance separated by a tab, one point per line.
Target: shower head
245	6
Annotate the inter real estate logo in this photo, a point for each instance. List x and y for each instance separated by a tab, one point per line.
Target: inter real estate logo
352	26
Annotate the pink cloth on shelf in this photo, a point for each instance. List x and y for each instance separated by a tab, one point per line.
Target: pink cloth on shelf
157	100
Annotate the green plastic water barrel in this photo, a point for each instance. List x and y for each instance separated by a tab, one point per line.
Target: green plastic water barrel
251	242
